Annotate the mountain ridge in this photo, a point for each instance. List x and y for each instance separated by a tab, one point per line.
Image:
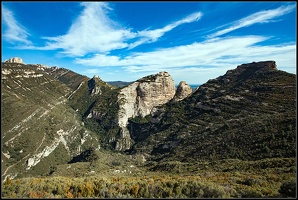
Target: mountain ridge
233	136
219	105
247	113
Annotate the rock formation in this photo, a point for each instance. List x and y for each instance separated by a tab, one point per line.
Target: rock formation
183	90
15	60
139	98
245	71
94	88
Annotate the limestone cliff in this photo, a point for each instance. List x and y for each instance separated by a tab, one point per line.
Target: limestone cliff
139	98
183	90
15	60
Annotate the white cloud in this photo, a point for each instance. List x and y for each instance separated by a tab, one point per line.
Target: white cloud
198	61
207	60
94	32
259	17
153	35
14	32
188	55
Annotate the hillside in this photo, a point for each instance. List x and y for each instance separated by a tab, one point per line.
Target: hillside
249	114
68	77
38	128
64	134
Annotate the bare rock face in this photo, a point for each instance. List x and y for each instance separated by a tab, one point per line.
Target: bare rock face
15	60
183	90
139	98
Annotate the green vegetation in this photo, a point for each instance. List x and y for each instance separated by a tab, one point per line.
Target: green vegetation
68	77
249	120
235	137
34	113
270	180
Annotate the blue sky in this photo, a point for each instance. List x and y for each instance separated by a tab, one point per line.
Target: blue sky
193	41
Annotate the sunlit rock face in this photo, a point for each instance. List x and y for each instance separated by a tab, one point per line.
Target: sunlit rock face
183	90
140	97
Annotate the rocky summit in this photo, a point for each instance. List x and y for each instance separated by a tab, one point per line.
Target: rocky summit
15	60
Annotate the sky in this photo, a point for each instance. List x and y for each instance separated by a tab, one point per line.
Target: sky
123	41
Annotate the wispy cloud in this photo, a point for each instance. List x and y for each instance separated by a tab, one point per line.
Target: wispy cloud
198	62
225	52
14	33
195	54
153	35
88	33
259	17
93	36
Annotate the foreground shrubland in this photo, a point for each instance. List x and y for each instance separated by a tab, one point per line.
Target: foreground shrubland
266	181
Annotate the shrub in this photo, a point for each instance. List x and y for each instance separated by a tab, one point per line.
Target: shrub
288	189
250	193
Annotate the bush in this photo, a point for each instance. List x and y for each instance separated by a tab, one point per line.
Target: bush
250	193
288	189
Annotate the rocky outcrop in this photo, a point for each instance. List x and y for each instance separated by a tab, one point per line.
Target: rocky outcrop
94	88
139	98
245	71
183	90
42	67
15	60
262	66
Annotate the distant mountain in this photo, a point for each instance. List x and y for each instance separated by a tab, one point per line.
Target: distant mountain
119	84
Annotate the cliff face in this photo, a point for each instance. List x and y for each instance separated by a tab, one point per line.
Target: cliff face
139	98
